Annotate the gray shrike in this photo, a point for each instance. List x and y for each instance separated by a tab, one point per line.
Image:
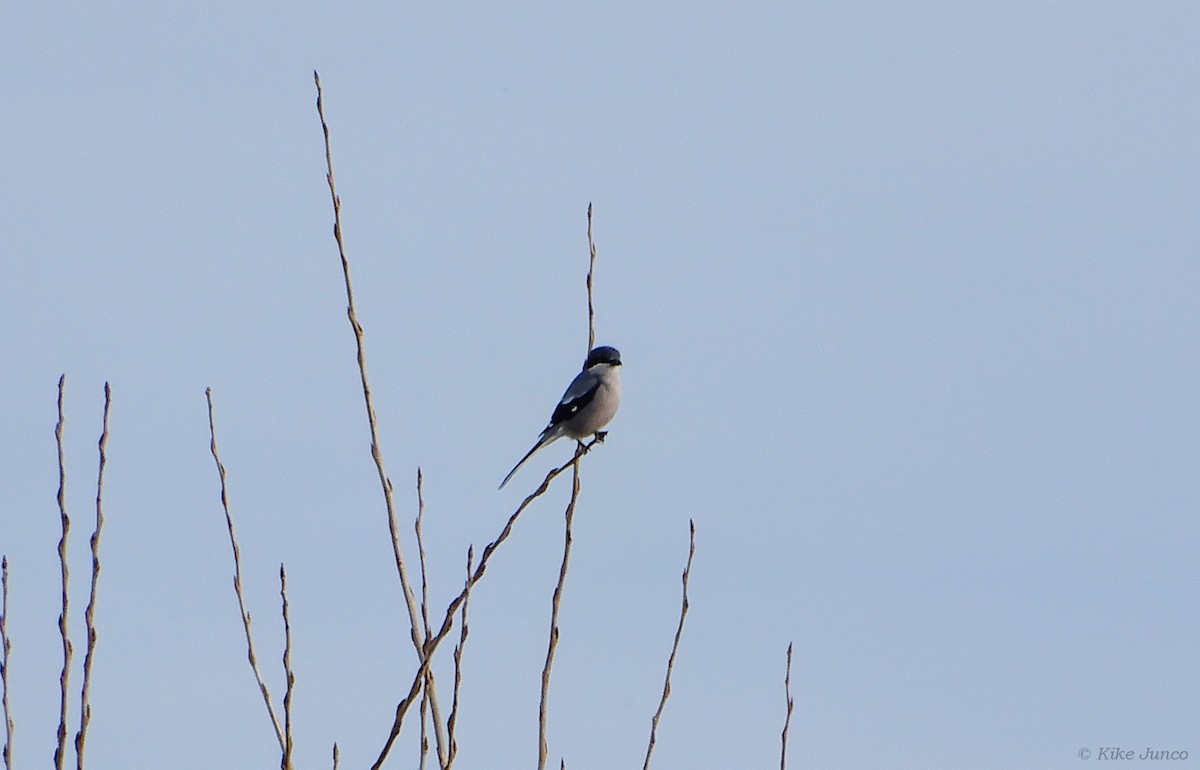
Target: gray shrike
587	406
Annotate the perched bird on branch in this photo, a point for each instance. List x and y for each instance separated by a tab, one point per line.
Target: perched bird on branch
589	403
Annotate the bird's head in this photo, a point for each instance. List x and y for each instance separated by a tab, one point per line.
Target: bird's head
605	354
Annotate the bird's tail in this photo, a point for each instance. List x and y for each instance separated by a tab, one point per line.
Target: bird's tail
542	441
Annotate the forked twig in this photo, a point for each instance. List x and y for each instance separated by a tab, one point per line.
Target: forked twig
61	750
432	643
89	615
787	722
237	577
569	516
687	570
5	650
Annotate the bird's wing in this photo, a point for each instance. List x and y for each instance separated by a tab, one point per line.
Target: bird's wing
579	394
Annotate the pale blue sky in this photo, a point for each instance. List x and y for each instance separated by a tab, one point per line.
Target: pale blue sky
907	298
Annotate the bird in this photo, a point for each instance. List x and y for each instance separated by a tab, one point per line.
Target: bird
589	403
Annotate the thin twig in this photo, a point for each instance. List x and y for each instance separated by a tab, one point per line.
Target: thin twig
435	713
422	713
376	452
415	625
432	643
787	722
237	576
683	609
335	755
591	270
421	551
569	517
543	748
290	676
61	750
429	699
89	616
5	650
463	630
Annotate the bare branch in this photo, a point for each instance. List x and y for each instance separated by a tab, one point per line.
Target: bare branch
687	570
432	643
421	551
452	722
591	270
423	716
787	722
89	616
237	577
376	452
429	698
569	517
61	749
285	762
5	650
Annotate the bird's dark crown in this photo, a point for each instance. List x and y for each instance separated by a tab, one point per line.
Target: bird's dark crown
605	354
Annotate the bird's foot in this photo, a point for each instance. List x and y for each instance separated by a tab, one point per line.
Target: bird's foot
600	436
